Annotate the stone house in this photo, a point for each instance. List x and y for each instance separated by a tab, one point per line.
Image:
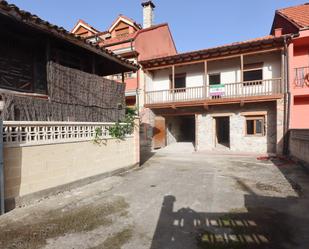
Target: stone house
229	97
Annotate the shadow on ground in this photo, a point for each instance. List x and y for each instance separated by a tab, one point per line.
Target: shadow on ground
261	225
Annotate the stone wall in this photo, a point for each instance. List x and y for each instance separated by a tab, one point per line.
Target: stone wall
238	140
299	145
173	129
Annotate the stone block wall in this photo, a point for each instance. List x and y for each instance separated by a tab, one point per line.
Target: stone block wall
239	141
299	145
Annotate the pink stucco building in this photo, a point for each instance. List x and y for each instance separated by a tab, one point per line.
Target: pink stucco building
295	20
127	38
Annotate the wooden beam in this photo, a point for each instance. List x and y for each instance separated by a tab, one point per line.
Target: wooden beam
173	82
122	77
206	107
241	68
205	78
93	61
214	59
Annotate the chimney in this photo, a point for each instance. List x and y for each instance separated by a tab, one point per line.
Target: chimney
278	32
148	14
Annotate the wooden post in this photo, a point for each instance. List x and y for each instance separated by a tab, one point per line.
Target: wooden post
173	82
122	77
205	79
93	64
241	73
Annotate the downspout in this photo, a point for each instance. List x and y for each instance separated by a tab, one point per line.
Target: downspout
2	208
288	98
137	73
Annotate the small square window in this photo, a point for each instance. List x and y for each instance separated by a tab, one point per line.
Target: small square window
255	125
214	79
179	82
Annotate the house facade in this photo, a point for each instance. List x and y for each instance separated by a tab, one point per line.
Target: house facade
56	102
224	98
132	41
295	21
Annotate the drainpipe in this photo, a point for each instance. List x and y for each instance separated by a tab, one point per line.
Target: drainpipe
2	208
288	97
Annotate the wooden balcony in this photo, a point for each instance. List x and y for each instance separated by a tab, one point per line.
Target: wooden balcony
203	95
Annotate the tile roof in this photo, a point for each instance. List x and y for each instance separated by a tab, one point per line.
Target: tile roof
116	40
25	17
298	15
232	48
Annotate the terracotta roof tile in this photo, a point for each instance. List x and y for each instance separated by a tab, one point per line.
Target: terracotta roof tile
116	40
299	14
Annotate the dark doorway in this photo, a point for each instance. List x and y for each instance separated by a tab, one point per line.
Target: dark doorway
180	129
223	131
187	129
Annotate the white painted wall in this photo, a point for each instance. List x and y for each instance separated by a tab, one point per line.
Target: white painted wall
229	69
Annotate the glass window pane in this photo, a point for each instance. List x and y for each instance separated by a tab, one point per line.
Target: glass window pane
180	82
214	79
250	127
258	128
253	75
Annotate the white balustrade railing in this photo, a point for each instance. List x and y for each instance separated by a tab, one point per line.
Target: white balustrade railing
35	133
229	90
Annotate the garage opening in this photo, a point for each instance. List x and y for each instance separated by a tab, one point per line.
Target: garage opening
222	132
180	129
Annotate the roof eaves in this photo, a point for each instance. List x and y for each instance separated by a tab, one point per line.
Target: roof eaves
220	49
289	19
35	22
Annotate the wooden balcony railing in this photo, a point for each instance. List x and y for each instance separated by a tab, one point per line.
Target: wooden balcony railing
301	77
225	91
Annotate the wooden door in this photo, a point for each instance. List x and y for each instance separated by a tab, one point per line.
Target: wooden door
159	133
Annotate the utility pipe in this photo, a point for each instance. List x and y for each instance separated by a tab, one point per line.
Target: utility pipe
2	208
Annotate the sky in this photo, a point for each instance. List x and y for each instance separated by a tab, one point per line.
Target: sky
195	24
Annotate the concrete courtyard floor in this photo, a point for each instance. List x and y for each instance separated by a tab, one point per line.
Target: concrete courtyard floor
180	200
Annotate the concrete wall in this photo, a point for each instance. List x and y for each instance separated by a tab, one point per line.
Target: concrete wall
229	70
34	168
239	141
299	145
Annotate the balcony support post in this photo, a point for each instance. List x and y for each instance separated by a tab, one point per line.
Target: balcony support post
122	77
205	79
173	82
241	73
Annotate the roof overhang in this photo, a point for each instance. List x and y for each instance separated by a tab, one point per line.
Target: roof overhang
233	49
33	22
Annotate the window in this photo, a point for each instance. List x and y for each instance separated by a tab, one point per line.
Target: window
255	125
214	79
180	81
253	72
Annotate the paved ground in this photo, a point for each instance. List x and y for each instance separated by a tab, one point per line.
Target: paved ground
180	200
